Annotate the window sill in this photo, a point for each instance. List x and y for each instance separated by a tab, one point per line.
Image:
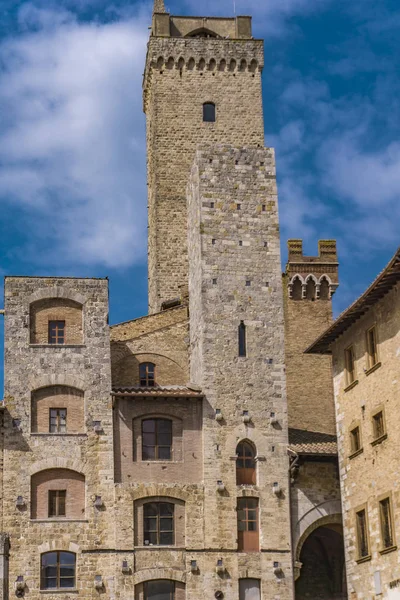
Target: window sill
363	559
60	591
356	453
379	439
57	345
59	520
374	368
351	385
387	550
159	548
40	434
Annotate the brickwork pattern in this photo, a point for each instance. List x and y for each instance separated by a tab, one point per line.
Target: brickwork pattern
56	309
58	479
47	398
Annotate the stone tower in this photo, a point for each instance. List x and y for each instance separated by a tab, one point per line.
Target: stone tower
190	62
309	283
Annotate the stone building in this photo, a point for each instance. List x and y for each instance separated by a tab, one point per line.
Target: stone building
364	344
180	454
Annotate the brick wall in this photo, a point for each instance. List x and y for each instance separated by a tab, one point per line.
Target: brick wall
56	309
58	479
58	397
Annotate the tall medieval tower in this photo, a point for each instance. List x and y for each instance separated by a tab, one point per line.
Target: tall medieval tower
191	62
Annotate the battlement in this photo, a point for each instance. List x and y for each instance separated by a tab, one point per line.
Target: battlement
312	277
326	252
166	25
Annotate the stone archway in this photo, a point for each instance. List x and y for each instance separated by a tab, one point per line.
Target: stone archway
320	562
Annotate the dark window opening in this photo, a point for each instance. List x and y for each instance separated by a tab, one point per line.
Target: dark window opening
162	589
297	289
362	534
156	439
209	112
158	524
57	500
355	440
349	363
58	570
56	332
242	339
58	420
371	347
386	523
147	374
379	425
245	464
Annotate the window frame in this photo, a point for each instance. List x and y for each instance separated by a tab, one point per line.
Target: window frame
149	377
158	531
56	323
58	570
248	539
375	429
367	556
58	417
381	499
57	495
213	118
354	451
147	583
372	357
351	375
157	446
246	475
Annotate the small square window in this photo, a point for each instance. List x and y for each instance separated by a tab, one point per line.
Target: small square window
248	283
213	242
56	332
240	243
265	244
238	206
378	425
214	282
212	205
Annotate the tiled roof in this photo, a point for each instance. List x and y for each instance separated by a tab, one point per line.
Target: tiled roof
311	442
381	286
159	390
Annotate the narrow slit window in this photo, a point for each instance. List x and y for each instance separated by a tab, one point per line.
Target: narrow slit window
57	503
355	440
242	339
379	425
209	113
56	332
385	512
371	348
349	362
362	534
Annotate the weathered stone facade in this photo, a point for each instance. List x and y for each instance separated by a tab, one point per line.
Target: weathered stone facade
368	446
182	449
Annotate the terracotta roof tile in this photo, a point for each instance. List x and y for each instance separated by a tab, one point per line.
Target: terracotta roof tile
311	442
158	390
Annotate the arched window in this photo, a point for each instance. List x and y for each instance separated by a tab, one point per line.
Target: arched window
156	439
58	570
158	524
324	289
297	289
147	374
58	494
245	464
57	409
209	113
160	589
311	290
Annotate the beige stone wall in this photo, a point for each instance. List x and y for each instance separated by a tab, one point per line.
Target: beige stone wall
56	309
186	463
58	479
57	397
182	74
373	472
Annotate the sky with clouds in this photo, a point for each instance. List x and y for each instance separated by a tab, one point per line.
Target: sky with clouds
72	134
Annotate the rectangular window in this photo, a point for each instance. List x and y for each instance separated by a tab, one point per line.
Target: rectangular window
160	589
371	348
249	589
247	514
242	339
156	439
362	533
158	524
355	440
58	570
58	420
378	425
385	513
147	374
349	363
57	503
56	332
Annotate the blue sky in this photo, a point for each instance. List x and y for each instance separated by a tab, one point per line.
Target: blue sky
72	134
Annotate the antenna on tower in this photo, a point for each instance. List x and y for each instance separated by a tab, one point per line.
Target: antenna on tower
234	7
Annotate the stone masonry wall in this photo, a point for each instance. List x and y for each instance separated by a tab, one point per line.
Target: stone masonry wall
372	473
85	366
181	75
235	275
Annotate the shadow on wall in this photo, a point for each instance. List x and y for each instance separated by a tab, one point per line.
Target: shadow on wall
13	438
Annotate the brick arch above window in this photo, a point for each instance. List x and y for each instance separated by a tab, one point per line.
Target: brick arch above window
166	573
160	490
58	494
56	292
57	463
57	409
56	321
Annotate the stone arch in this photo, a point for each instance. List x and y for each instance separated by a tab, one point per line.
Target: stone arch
243	65
181	63
324	284
212	65
170	63
159	573
160	62
56	292
202	32
232	65
191	63
222	65
43	484
311	287
57	463
59	543
253	66
328	510
296	286
330	519
160	489
201	64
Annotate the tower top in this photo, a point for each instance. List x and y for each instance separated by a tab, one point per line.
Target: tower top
159	7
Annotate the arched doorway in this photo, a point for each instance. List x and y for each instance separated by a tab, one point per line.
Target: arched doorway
322	575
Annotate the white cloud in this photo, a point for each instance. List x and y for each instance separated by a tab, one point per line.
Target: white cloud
72	147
